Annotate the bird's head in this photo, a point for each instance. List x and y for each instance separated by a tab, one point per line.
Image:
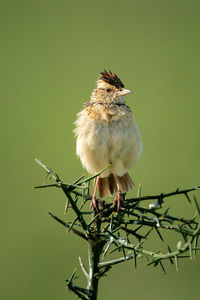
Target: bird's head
109	89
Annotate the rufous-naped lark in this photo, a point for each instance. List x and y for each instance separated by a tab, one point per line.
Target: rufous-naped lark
106	134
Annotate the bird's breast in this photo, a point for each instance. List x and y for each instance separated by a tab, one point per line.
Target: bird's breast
106	136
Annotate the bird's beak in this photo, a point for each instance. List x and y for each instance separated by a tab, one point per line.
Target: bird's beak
124	92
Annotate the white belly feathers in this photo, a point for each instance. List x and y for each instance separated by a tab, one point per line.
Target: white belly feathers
115	140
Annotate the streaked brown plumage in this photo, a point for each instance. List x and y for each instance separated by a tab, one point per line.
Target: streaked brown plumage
107	133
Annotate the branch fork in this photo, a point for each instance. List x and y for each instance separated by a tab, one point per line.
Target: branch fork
121	230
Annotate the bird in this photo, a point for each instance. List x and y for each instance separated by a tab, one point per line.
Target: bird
106	133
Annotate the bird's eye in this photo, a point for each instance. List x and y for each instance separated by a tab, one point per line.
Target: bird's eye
108	90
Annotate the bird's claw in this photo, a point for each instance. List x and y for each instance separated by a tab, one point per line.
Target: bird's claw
94	203
118	199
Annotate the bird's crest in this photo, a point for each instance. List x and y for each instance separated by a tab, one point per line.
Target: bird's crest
111	78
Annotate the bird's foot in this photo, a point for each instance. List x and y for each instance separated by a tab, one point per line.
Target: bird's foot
118	199
94	203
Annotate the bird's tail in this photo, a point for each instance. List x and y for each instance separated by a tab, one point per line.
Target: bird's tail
107	185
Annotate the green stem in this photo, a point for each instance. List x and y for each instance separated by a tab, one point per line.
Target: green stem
162	196
94	252
79	233
75	208
160	256
95	248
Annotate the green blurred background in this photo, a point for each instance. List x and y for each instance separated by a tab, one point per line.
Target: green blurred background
51	55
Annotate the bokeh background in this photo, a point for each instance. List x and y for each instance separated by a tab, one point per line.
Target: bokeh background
51	55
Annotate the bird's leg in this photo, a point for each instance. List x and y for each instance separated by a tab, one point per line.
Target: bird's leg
119	197
94	202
